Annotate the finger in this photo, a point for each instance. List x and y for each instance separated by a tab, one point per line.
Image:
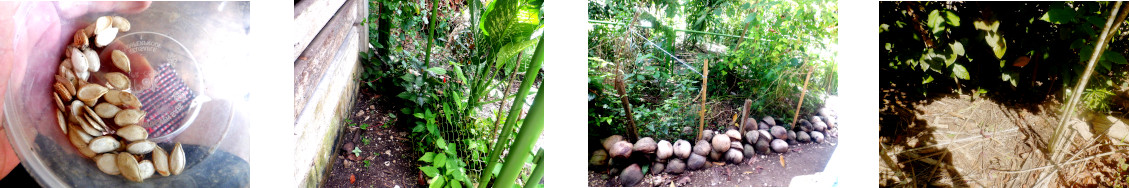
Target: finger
141	73
76	9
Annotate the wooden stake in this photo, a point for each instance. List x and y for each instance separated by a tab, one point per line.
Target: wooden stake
702	113
803	93
632	133
744	116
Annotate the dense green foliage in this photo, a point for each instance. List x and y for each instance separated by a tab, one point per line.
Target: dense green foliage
445	61
1014	50
757	50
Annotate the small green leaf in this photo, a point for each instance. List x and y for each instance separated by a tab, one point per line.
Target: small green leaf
958	48
427	157
1061	14
437	182
952	19
960	72
440	160
430	171
357	151
437	70
1115	57
927	80
935	21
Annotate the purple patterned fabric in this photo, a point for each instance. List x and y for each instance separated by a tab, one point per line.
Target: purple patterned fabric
166	102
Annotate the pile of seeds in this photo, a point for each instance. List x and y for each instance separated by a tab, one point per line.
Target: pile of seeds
117	146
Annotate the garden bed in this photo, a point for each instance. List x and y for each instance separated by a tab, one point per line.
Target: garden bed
387	160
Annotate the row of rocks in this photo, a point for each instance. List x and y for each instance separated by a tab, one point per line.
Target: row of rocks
763	137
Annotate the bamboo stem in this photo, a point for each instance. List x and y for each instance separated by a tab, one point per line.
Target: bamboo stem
702	112
515	110
803	94
531	129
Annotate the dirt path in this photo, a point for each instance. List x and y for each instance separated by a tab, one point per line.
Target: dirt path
388	152
761	170
960	141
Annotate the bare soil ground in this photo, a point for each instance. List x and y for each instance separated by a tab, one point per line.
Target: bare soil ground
962	141
389	151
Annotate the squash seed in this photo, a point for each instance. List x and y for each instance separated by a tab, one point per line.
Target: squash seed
62	121
104	144
129	117
62	91
176	160
59	102
120	60
128	166
129	100
90	93
146	169
133	133
121	23
79	140
92	60
117	80
80	38
66	83
141	147
106	110
107	162
161	161
113	97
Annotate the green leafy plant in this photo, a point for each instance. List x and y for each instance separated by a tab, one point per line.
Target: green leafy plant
357	151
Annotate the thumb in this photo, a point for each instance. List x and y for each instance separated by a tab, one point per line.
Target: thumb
76	9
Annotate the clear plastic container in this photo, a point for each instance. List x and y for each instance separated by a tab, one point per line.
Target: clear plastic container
175	92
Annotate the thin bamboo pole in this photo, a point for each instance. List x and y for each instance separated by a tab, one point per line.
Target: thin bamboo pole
621	88
530	130
803	94
515	111
1057	142
1099	48
702	112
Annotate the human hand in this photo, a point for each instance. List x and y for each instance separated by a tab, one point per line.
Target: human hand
37	33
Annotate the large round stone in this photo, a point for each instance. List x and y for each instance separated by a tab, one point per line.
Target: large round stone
734	135
735	156
762	146
682	149
696	162
751	137
599	158
820	126
750	124
768	120
675	166
715	155
805	125
817	136
621	149
803	137
720	143
778	132
645	145
658	167
707	134
702	148
631	175
779	146
664	150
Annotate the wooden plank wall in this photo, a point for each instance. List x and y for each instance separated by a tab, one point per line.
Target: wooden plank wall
329	35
